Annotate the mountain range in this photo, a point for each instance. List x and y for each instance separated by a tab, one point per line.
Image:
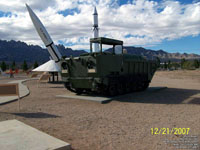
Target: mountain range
19	51
161	54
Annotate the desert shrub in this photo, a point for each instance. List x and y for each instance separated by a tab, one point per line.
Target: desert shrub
13	65
3	66
35	65
189	65
196	63
24	66
175	65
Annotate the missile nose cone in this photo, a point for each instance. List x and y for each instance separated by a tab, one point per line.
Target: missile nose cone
28	8
30	11
95	11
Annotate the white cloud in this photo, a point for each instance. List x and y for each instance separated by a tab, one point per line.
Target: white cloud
146	22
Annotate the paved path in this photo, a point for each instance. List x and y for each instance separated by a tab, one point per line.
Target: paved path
23	91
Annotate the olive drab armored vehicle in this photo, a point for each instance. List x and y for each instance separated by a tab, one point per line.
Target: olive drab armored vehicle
111	73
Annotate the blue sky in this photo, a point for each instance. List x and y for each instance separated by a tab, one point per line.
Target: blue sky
170	25
189	44
6	14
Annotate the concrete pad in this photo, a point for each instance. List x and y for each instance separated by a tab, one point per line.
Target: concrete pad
99	99
15	135
103	99
23	91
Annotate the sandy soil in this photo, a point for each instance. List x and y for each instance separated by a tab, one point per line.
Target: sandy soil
123	124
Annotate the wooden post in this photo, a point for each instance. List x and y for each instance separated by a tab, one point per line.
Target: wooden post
17	91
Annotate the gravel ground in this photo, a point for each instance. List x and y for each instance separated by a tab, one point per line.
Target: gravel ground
123	124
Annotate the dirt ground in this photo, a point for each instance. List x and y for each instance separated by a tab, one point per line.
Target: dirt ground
124	123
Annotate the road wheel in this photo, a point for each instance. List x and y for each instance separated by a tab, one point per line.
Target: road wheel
79	91
120	89
133	87
145	85
139	86
112	90
128	88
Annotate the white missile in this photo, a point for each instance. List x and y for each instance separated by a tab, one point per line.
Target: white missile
96	29
52	49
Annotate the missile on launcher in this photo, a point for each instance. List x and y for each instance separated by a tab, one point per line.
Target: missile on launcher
96	29
55	54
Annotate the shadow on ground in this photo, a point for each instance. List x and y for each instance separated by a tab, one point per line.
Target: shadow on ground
36	115
59	87
55	82
157	95
164	96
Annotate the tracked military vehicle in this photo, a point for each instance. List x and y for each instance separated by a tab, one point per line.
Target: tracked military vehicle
111	73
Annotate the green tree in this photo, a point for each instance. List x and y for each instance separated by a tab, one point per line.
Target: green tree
13	65
196	63
3	66
35	64
158	61
169	64
175	65
188	65
165	65
182	63
24	66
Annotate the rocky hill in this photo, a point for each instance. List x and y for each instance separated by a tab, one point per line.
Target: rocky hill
19	51
164	56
